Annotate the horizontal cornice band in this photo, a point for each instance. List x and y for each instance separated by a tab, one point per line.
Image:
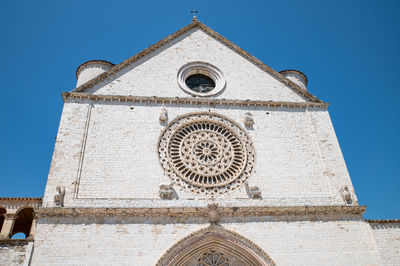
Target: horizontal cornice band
198	212
189	101
14	242
20	200
384	221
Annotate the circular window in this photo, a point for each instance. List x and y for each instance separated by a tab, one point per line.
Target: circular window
200	83
206	153
201	79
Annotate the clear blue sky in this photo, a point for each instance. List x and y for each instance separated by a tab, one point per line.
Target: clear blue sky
349	50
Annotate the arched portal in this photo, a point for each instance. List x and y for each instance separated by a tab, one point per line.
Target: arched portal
2	212
23	222
215	246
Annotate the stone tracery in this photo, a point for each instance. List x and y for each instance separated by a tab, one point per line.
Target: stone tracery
212	258
206	153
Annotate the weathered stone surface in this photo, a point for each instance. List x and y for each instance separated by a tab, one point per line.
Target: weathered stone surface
387	236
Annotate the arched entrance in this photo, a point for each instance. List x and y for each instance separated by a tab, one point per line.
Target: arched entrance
215	246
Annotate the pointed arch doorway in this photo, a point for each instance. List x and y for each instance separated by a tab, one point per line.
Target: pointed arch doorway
214	245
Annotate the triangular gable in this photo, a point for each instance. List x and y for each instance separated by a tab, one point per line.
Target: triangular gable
197	24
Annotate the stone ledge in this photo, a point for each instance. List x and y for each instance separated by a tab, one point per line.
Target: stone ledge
14	242
198	212
20	200
191	101
383	221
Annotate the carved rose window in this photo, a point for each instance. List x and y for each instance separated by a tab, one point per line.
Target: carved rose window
213	258
206	153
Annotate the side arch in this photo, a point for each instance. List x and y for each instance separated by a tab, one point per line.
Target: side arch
24	220
214	240
2	212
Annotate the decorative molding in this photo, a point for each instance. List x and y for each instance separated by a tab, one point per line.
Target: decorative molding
216	36
20	200
189	101
82	152
10	216
215	237
387	221
198	212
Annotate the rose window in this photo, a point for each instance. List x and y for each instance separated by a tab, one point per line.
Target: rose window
206	153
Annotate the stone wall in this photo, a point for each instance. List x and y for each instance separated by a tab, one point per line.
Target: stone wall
156	73
106	154
387	236
142	241
15	252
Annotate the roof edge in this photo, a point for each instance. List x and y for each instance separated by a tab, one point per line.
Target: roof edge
20	199
382	221
197	24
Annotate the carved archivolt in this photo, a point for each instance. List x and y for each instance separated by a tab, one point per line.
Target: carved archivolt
206	153
215	245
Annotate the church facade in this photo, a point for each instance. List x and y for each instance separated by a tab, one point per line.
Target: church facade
194	152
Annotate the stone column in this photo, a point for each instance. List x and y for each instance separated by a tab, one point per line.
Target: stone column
33	228
8	225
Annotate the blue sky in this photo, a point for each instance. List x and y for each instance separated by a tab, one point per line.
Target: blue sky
349	51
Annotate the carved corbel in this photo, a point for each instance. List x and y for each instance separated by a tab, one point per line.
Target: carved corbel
163	115
346	195
167	191
59	197
253	192
213	214
248	120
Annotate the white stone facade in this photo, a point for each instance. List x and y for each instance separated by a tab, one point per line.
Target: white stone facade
143	242
103	203
387	235
298	159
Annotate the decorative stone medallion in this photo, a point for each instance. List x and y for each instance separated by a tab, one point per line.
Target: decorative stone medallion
206	153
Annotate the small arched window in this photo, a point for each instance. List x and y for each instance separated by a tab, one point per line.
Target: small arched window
23	223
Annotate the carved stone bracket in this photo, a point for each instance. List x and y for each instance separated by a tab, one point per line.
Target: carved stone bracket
167	191
248	120
163	115
346	195
253	192
59	197
213	214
